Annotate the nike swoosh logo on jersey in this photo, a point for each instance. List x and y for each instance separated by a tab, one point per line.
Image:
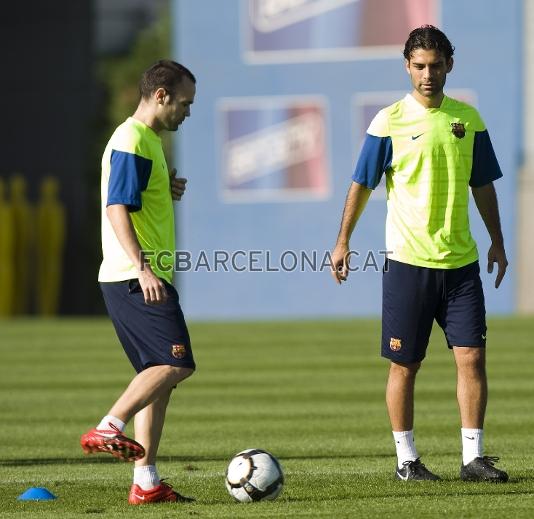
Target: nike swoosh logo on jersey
416	136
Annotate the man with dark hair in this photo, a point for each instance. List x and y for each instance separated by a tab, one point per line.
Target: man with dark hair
136	279
166	74
432	149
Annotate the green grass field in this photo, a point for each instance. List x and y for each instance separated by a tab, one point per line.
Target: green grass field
309	392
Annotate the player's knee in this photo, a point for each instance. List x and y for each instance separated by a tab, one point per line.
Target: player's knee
472	359
187	372
177	374
405	370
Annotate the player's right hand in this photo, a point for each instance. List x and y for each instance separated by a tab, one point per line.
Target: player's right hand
177	185
153	288
340	263
497	254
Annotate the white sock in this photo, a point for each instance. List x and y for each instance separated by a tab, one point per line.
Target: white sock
104	423
472	448
404	443
146	477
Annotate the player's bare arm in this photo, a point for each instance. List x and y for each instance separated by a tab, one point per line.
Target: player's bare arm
178	185
355	203
153	288
486	202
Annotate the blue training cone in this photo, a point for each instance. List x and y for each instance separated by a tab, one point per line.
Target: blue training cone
36	494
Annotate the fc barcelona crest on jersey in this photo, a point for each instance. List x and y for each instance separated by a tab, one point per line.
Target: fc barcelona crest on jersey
395	344
178	351
458	130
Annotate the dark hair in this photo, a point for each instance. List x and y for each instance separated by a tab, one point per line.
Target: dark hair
165	74
428	37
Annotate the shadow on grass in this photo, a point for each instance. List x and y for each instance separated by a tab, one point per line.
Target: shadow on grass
91	460
18	462
428	490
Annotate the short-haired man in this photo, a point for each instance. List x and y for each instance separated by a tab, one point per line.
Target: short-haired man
431	148
138	225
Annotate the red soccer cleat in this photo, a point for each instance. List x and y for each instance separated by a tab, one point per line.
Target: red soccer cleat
112	441
163	492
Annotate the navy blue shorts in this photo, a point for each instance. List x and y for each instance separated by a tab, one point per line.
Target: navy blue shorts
412	297
151	335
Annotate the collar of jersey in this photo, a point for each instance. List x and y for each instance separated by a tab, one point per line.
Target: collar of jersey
149	132
411	101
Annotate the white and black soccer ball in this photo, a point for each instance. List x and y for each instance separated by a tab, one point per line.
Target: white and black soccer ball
254	475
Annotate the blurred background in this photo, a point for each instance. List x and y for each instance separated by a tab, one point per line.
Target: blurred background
285	92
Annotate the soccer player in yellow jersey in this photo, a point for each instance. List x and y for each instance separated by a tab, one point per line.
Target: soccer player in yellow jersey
432	149
138	229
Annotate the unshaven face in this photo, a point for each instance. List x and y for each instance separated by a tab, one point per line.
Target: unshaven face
428	71
176	107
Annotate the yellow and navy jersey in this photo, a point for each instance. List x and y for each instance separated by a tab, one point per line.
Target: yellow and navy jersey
430	157
135	174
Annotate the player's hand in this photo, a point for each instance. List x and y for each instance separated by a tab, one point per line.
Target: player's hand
177	185
153	288
340	263
497	254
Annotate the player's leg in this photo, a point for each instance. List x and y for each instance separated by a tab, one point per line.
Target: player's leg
147	486
472	385
400	404
148	428
168	351
148	425
407	316
156	341
148	386
472	393
463	318
151	384
400	395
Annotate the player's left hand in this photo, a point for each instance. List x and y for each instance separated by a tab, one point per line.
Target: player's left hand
497	254
177	185
340	263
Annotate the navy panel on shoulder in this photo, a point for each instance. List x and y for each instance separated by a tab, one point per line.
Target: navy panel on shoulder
485	168
375	158
128	178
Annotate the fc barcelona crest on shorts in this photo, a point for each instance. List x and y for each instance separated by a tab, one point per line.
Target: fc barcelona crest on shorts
458	130
395	344
178	351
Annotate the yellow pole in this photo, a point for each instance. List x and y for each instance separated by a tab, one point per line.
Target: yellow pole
50	243
24	265
7	254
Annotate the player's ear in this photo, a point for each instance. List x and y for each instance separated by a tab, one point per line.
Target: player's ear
407	65
450	63
159	95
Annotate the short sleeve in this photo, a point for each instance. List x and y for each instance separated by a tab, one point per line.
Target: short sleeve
485	167
379	126
476	122
128	178
375	158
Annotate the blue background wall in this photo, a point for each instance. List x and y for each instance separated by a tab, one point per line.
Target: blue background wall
208	39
